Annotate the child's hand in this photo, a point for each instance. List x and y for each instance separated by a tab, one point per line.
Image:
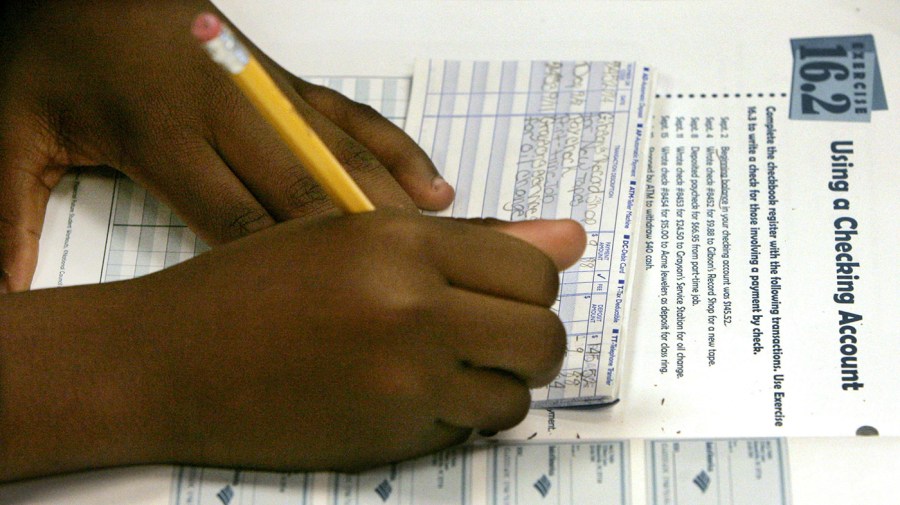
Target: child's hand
323	343
124	84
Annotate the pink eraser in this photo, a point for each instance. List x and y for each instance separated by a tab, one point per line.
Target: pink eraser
206	27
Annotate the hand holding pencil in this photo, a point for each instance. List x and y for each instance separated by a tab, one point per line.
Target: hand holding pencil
125	85
226	50
332	342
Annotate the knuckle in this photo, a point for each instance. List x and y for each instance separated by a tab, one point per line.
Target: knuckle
403	232
244	221
406	307
13	231
403	160
304	195
404	296
356	157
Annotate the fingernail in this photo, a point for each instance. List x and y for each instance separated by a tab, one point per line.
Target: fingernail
438	183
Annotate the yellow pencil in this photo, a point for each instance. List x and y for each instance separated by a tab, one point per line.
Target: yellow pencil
226	50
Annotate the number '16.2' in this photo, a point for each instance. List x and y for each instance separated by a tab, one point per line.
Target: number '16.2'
819	71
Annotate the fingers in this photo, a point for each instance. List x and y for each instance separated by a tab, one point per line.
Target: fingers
391	146
388	166
204	191
270	171
405	160
274	175
521	263
479	259
25	185
23	203
489	333
484	400
562	240
504	348
504	336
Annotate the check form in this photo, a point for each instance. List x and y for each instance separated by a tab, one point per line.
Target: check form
526	473
549	140
734	471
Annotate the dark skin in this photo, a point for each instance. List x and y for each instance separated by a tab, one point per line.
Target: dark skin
324	342
124	84
320	343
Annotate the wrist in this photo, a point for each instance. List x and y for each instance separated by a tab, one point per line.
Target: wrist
80	381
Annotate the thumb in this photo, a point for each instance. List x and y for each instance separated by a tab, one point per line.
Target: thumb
563	240
24	191
22	205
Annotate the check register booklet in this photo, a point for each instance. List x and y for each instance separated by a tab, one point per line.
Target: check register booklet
548	140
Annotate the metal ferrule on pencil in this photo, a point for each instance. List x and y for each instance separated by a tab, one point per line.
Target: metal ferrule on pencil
227	50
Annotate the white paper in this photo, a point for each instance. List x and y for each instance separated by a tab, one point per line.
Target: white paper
718	472
737	332
566	473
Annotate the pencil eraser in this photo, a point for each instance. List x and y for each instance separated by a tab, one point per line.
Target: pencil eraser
206	27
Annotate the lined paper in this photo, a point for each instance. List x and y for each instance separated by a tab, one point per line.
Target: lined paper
545	140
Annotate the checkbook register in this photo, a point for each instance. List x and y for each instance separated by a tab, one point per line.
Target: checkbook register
550	140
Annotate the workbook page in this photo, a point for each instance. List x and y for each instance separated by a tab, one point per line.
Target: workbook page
767	263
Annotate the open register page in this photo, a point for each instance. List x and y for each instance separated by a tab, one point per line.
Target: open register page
550	139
